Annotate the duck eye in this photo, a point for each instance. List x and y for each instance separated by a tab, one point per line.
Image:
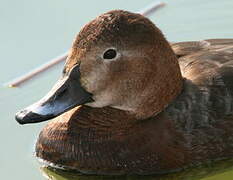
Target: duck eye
110	54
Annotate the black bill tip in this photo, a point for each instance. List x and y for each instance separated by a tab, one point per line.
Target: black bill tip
26	116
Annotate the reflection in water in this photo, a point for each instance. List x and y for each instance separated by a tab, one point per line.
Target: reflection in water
200	172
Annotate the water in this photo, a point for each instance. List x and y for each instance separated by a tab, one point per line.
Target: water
35	31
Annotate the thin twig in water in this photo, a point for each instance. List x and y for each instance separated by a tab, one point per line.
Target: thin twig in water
22	79
147	11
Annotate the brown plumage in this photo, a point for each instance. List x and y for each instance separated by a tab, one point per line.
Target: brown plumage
109	141
156	108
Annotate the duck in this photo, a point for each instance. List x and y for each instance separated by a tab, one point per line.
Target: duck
130	102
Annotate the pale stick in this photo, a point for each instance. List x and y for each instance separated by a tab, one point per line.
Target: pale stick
24	78
147	11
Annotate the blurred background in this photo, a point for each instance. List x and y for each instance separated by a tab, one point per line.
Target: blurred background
32	32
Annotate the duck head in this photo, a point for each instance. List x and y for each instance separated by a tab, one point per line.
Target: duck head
121	60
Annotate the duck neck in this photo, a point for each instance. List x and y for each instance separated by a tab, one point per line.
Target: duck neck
160	91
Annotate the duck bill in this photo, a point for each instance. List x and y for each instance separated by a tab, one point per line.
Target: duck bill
66	94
